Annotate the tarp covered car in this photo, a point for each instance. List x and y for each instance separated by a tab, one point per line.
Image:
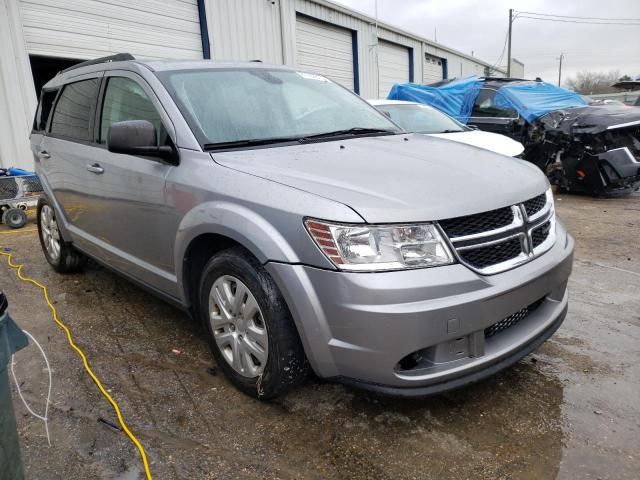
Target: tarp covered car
581	147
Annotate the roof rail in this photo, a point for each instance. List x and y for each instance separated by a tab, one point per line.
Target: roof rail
118	57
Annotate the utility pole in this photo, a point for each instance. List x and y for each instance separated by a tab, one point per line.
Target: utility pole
560	69
509	46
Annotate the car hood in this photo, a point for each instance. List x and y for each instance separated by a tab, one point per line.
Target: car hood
398	178
490	141
592	119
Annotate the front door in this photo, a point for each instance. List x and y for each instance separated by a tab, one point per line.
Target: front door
133	227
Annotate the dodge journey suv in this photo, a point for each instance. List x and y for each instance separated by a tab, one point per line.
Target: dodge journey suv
305	229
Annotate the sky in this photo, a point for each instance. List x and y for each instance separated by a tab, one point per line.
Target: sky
481	27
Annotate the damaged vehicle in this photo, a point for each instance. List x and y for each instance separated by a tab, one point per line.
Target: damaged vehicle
592	149
303	228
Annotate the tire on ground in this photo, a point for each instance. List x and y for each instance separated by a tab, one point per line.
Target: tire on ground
69	260
14	218
286	362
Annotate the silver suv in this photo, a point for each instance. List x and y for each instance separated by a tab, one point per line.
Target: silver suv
300	225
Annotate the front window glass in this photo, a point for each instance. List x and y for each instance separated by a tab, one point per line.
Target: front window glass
126	100
256	104
484	106
421	119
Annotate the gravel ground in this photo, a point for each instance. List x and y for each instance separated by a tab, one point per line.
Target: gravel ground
569	410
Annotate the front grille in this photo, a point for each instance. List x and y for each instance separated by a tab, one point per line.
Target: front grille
494	241
511	320
540	234
477	223
483	257
536	204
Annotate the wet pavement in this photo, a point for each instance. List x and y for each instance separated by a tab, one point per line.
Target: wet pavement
569	410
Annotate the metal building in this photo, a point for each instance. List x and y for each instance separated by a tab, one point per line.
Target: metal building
40	37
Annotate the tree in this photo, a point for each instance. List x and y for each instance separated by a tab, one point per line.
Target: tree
588	83
625	78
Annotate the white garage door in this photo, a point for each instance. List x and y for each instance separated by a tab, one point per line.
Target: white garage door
325	49
86	29
431	69
393	61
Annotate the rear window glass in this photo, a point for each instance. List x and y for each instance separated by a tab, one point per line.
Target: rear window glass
44	109
74	110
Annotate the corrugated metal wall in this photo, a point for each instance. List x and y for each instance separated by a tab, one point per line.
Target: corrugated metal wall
326	49
245	30
87	29
266	29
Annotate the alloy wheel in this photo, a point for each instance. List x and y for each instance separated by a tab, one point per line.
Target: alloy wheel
238	326
50	232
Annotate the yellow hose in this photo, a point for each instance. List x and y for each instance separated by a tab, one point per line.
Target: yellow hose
116	408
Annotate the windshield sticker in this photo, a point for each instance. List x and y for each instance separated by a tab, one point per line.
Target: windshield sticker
312	76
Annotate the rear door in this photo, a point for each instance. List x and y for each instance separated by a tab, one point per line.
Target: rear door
491	118
132	227
65	150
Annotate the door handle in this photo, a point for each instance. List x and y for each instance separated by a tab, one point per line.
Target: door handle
95	168
44	154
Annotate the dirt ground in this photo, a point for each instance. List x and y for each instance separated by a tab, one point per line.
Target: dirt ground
570	410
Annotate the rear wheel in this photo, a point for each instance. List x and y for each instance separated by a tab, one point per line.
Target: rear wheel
60	254
251	332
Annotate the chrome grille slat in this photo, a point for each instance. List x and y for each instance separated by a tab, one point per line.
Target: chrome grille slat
512	235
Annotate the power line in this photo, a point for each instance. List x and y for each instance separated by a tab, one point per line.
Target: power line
582	18
579	21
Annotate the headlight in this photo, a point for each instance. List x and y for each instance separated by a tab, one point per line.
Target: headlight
384	247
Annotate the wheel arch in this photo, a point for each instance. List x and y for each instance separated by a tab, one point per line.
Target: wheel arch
215	226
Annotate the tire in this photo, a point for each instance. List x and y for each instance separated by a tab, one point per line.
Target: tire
60	254
14	218
286	364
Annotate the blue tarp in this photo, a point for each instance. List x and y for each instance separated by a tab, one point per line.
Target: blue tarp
15	172
456	98
534	99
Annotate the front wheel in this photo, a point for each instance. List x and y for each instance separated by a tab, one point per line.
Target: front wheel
251	332
60	254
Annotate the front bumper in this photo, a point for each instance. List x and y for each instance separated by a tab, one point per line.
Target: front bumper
357	327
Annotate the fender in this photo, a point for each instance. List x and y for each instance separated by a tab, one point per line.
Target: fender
236	222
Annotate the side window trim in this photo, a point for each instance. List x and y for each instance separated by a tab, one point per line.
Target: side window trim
92	119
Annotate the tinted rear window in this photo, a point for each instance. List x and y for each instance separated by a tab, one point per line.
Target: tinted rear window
44	109
73	114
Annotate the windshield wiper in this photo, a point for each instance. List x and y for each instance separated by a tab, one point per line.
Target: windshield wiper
253	142
352	131
451	131
250	142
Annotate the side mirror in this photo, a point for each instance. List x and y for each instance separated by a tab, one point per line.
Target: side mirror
138	137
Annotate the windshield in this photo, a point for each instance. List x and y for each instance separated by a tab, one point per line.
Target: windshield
421	119
226	106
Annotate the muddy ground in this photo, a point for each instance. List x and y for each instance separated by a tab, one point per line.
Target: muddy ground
570	410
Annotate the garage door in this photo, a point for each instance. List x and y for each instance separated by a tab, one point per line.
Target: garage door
325	49
431	69
88	29
393	66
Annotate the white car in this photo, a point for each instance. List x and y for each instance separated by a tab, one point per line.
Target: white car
420	118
